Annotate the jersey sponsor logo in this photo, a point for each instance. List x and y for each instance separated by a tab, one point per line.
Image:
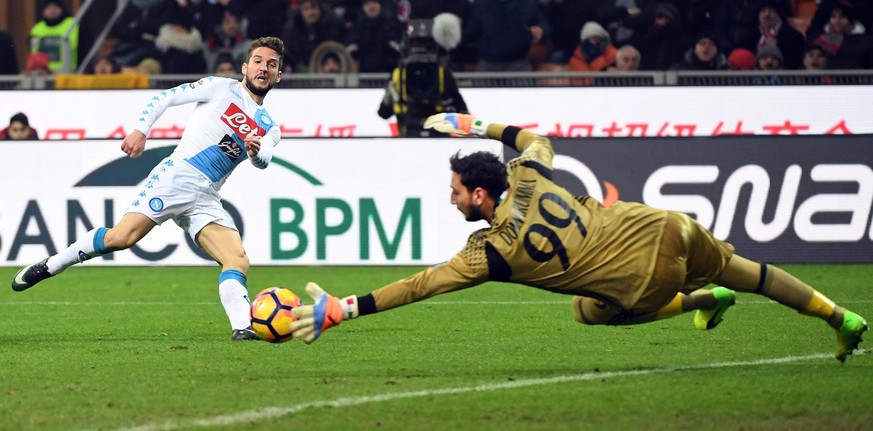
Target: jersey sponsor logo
230	148
240	123
156	204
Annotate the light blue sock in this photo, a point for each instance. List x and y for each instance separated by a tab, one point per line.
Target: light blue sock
88	246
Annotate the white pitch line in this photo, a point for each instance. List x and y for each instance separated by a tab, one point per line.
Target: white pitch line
275	412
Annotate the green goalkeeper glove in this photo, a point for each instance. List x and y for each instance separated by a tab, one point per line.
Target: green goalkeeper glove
458	124
327	312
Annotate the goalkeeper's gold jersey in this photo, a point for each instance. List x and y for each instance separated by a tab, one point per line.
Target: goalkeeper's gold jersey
543	236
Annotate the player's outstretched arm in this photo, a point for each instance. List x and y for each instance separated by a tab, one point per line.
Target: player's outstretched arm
458	124
327	312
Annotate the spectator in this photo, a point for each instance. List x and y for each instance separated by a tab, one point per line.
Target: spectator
768	58
662	41
566	18
627	59
741	59
374	39
330	63
704	55
735	21
862	11
8	58
180	46
594	52
312	24
19	129
225	66
47	35
843	39
149	66
37	65
331	57
505	31
138	27
228	40
103	64
815	58
773	29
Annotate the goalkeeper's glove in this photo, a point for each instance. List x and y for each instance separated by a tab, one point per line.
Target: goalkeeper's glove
458	124
328	311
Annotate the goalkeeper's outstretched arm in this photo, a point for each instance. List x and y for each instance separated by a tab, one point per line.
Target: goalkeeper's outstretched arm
329	311
467	125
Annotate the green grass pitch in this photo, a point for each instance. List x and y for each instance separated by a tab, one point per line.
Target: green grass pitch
149	348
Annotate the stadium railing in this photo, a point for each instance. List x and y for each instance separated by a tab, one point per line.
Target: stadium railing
522	79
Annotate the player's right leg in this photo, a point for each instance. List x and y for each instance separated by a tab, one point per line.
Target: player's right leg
748	276
97	242
224	245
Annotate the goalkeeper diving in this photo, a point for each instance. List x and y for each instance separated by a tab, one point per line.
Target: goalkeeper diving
623	265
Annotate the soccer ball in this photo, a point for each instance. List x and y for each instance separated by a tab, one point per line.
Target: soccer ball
271	314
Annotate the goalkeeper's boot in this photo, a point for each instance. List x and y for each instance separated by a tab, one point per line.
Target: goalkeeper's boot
30	275
705	320
244	334
849	335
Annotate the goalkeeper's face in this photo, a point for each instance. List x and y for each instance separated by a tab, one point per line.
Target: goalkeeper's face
262	71
468	203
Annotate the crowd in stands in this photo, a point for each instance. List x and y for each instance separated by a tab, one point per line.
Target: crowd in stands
212	36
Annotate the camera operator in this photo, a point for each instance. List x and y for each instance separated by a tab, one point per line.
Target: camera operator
422	84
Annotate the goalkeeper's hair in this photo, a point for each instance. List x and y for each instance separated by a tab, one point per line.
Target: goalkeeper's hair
481	169
271	42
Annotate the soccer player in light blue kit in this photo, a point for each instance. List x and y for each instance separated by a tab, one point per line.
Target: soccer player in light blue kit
228	126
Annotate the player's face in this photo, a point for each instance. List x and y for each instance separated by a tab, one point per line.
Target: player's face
262	70
464	200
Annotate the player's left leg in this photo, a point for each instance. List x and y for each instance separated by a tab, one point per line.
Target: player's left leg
748	276
97	242
224	245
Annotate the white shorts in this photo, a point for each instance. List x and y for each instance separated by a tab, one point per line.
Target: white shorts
176	190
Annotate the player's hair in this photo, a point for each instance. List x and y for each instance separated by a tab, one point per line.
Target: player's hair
271	42
481	169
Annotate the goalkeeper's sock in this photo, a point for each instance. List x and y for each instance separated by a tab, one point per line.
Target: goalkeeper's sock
673	308
235	298
86	247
